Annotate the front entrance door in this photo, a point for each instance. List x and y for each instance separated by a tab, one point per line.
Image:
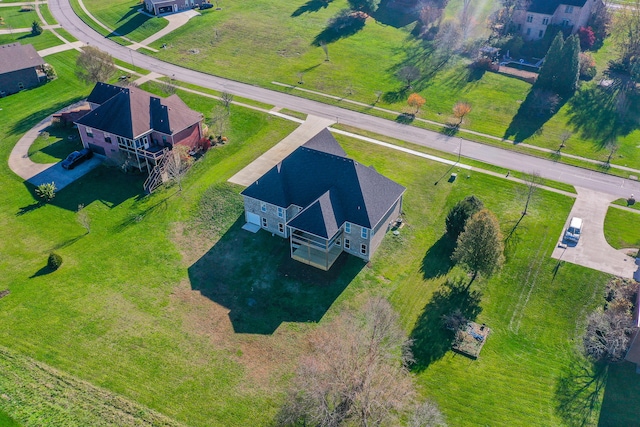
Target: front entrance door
253	218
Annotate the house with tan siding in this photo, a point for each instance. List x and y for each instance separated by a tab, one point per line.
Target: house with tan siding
324	203
532	21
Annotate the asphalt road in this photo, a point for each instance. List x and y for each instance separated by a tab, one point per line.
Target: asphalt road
61	10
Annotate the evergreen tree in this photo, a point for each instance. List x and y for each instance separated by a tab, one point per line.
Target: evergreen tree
566	80
553	65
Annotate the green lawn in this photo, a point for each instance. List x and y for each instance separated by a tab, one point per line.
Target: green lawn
43	41
167	300
57	146
46	14
14	18
7	421
621	228
123	18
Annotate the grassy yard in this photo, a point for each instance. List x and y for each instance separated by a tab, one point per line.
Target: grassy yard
43	41
7	421
621	228
57	146
167	300
14	18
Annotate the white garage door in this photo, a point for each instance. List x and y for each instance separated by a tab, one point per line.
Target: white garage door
253	218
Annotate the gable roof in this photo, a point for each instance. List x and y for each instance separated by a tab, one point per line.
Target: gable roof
548	7
324	141
131	112
330	188
14	57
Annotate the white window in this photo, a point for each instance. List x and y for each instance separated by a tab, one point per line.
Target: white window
263	206
363	249
530	18
20	85
568	9
280	213
528	31
545	21
347	244
364	233
107	138
347	227
540	34
90	132
566	23
264	222
338	243
281	227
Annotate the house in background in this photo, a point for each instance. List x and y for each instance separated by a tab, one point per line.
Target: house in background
324	203
20	68
159	7
570	15
129	123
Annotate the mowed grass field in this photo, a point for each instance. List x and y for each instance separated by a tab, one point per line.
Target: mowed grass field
621	229
263	41
170	305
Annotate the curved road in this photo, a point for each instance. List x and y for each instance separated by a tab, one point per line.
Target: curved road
62	11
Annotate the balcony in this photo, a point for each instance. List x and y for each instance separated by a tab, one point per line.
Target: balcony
313	250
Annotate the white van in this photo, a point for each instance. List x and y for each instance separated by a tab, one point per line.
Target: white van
574	230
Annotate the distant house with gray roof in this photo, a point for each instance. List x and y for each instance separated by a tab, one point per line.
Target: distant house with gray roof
324	203
160	7
533	20
20	68
127	121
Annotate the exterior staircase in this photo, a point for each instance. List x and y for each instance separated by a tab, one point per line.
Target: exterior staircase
158	174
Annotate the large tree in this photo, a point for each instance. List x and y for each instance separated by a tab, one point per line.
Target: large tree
480	246
552	64
566	79
355	374
94	65
460	213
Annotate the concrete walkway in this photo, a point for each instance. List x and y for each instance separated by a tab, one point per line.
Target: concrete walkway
39	173
593	250
60	48
24	3
307	130
147	77
28	29
176	20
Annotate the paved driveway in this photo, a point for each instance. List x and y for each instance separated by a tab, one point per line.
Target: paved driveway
39	173
592	249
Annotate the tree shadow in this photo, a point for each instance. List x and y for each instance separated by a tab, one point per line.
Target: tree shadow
395	96
23	126
449	130
68	242
345	24
620	402
533	113
132	24
405	118
431	340
311	6
595	113
395	15
29	208
42	272
254	277
427	58
437	261
578	392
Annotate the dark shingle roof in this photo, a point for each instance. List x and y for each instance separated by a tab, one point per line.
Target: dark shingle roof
132	112
324	141
548	7
14	57
103	92
332	189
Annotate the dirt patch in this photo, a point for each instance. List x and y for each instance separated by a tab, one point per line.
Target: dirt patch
4	293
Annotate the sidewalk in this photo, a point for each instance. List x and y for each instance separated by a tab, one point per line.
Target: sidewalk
60	48
311	127
28	30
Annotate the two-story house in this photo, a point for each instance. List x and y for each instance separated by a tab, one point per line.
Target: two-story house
324	203
532	21
160	7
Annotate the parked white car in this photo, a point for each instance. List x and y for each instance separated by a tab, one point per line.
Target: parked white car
572	234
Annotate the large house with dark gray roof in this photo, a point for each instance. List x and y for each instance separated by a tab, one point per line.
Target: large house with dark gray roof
130	121
20	68
324	203
532	21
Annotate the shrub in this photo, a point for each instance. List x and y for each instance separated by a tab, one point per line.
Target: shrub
460	213
54	262
36	29
587	67
587	38
46	191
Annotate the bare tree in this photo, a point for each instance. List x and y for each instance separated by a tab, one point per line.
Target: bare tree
226	99
409	73
325	48
356	373
83	218
533	181
460	110
378	95
466	13
219	121
427	414
612	146
564	137
608	335
178	164
94	65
